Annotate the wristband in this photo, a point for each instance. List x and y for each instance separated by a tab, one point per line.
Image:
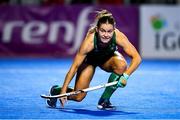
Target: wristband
126	76
123	77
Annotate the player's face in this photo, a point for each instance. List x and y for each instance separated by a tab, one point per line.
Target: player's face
105	32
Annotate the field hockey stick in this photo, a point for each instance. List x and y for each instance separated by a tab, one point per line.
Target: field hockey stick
80	91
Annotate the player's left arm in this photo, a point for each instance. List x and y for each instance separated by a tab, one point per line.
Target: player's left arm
130	50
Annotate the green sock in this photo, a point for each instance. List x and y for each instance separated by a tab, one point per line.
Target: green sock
57	90
110	90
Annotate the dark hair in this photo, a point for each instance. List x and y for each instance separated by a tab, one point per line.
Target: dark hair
102	16
106	19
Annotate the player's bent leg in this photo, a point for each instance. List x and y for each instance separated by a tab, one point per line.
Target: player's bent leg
83	78
117	65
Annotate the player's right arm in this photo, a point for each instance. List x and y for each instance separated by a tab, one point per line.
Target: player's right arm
86	46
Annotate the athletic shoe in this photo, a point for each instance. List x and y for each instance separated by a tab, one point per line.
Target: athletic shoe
104	104
56	90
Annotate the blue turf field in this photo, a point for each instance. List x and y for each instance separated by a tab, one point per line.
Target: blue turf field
153	91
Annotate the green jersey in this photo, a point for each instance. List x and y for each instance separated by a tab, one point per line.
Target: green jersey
102	51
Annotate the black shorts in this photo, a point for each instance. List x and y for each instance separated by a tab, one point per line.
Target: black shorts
97	60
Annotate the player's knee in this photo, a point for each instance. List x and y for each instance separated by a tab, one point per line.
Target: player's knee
80	97
121	67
